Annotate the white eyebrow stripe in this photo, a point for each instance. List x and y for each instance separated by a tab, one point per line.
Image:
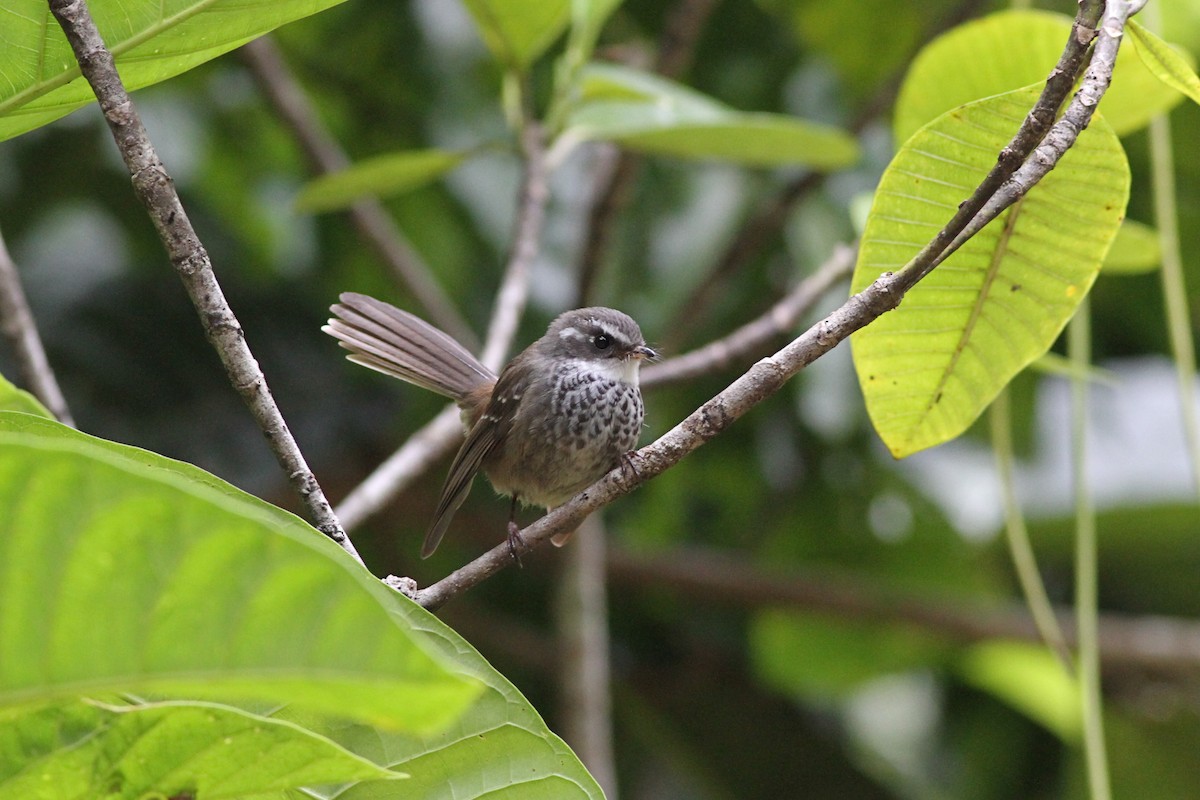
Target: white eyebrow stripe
571	332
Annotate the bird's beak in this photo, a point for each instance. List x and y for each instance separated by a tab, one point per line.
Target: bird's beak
643	353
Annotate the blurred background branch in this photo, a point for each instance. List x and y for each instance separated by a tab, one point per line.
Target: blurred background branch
16	320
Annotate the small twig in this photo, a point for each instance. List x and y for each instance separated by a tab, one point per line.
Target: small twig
156	191
616	172
19	328
424	448
438	437
324	155
619	168
758	229
531	214
749	340
1016	536
770	374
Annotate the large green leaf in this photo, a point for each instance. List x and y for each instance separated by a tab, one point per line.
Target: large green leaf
1009	50
929	368
82	751
518	31
152	40
122	571
651	114
381	176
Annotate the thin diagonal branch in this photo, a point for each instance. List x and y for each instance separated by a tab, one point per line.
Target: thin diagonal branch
770	374
764	223
16	320
156	191
531	216
324	155
705	423
750	339
430	443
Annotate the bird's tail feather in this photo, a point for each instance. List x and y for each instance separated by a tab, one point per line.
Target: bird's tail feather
394	342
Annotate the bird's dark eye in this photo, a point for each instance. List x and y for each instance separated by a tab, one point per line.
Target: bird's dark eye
602	342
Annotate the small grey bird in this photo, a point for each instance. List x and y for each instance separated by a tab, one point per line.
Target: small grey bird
559	415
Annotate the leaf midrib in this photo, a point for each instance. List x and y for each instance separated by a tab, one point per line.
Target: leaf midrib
73	72
989	281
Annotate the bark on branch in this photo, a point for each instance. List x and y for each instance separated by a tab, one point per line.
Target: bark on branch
154	188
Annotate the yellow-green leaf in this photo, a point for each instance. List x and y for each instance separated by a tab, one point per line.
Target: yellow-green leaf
1009	50
125	572
381	176
929	368
1166	62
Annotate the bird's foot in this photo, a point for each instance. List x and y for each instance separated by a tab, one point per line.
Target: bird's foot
515	542
629	470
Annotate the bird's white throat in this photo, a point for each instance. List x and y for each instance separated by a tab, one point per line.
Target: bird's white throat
624	370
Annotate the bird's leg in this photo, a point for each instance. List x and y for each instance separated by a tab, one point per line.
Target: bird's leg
514	532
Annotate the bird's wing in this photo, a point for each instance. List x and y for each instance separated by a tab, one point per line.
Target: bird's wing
482	439
487	434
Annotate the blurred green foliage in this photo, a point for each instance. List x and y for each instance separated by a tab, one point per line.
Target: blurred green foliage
714	699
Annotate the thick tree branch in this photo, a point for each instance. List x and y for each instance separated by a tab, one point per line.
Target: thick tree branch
156	191
16	320
324	155
768	375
